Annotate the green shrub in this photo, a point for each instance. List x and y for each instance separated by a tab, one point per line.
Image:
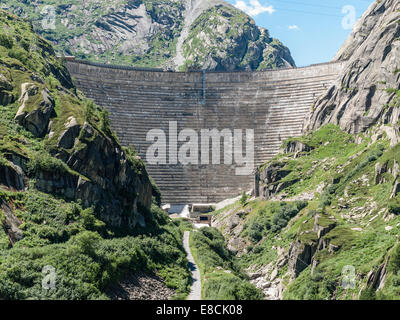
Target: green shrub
257	227
394	206
255	231
368	294
105	125
19	54
6	41
285	213
42	161
90	222
86	242
50	233
244	198
225	286
90	110
394	262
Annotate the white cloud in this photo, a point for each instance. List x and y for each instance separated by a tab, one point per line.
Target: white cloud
254	8
293	27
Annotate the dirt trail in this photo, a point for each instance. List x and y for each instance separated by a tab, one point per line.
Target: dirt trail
195	292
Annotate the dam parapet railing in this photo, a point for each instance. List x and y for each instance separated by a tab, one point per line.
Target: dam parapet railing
132	68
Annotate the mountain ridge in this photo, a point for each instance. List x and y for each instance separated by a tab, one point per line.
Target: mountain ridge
147	33
366	93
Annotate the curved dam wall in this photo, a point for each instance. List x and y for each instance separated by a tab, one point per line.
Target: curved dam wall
272	103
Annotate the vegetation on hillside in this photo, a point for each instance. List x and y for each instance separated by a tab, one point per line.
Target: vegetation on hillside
350	218
222	279
42	229
224	38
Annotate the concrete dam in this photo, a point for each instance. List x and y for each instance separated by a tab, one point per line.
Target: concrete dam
274	104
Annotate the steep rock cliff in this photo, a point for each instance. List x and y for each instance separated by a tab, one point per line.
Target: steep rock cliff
95	168
367	91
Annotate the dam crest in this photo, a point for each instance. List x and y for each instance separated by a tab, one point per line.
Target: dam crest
273	103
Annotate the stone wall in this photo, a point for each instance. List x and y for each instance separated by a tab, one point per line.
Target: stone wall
273	103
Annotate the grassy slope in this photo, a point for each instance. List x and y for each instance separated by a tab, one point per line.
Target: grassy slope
347	194
220	275
86	254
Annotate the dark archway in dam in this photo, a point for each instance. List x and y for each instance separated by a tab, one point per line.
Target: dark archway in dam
272	103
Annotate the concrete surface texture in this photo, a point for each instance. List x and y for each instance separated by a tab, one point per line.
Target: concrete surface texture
272	103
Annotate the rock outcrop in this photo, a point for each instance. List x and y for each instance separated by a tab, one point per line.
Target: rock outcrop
308	243
223	38
71	132
376	278
11	223
6	95
111	174
300	256
11	176
35	117
367	91
269	180
82	159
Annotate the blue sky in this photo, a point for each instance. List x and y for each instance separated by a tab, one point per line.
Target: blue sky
313	30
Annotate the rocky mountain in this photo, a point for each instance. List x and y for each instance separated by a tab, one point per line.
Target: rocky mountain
171	34
324	221
367	92
72	199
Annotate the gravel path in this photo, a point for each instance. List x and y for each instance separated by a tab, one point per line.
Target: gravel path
195	292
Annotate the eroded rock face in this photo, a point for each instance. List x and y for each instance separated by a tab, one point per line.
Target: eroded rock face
36	119
12	177
376	278
300	256
71	132
366	93
296	147
270	177
302	252
11	223
6	96
102	161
